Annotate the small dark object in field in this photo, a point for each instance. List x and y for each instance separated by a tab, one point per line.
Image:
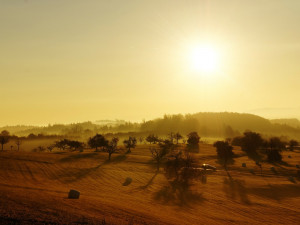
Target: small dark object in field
252	171
298	173
289	156
273	169
73	194
127	181
298	166
244	165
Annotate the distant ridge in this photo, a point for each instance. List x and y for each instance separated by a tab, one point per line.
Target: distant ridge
290	122
211	124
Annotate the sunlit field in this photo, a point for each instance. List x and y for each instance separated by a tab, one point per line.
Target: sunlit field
149	112
34	188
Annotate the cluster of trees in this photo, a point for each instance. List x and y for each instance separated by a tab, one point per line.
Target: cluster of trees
5	137
251	142
110	146
255	147
168	148
67	144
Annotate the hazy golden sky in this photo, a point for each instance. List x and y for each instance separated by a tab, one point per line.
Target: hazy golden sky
71	61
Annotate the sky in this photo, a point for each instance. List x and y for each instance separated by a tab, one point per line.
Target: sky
64	61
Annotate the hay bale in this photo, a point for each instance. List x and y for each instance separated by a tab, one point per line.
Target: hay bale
127	181
244	165
73	194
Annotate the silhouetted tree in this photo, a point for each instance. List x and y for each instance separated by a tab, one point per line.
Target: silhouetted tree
177	137
251	141
237	141
274	146
276	143
151	138
76	145
193	141
50	148
130	143
98	141
274	155
18	143
40	148
167	145
157	155
174	163
4	138
224	152
112	146
62	144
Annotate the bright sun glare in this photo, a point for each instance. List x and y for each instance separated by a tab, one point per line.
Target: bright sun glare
204	58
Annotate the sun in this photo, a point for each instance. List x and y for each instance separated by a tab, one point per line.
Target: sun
204	58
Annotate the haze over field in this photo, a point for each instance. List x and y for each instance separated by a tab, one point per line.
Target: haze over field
163	112
72	61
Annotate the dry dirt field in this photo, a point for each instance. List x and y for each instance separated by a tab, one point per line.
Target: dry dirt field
34	188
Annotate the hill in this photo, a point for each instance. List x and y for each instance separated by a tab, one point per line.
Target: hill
208	124
290	122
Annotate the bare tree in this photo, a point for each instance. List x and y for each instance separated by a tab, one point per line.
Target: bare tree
50	148
177	137
152	139
130	143
158	155
112	146
18	143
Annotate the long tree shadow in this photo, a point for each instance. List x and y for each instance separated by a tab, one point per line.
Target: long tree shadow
257	157
71	175
79	156
149	182
179	193
281	164
235	188
276	191
116	159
